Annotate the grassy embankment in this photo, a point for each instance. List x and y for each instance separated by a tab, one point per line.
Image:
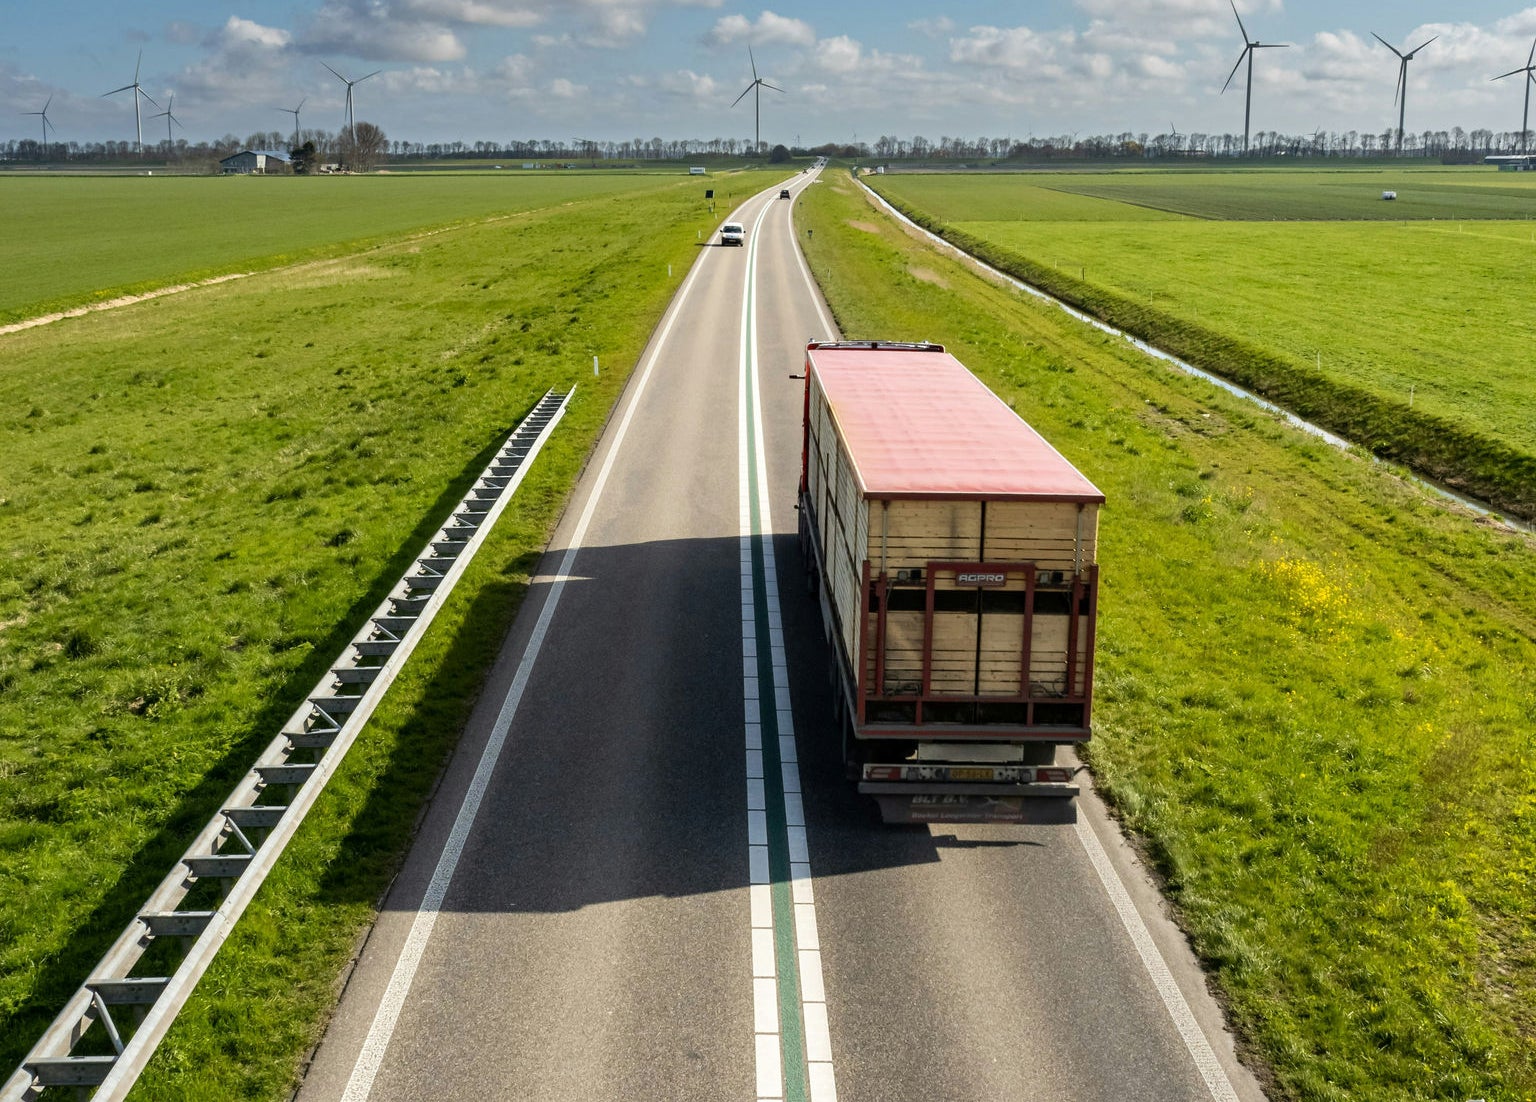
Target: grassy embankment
1405	336
1316	692
72	241
200	499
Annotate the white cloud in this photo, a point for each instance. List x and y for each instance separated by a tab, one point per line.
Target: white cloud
561	88
689	85
377	32
932	28
769	29
243	32
475	13
838	55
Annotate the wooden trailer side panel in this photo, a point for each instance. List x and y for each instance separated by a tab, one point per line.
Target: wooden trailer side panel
842	517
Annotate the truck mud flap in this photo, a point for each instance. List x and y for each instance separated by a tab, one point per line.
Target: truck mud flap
948	808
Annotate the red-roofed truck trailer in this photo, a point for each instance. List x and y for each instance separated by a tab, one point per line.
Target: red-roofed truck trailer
952	552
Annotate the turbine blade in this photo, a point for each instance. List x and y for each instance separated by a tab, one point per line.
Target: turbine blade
125	88
1239	20
1501	76
300	107
147	96
335	74
1387	44
1419	47
375	73
753	60
775	87
136	65
1240	59
743	96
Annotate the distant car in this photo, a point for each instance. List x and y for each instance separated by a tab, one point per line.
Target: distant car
733	233
784	194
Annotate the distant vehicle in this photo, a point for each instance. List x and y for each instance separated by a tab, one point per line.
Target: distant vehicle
784	194
1389	195
696	170
951	549
733	233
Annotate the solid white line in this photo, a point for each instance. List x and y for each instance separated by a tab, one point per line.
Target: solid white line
1200	1050
830	330
371	1057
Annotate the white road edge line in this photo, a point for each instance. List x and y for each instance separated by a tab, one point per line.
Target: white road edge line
371	1056
1194	1038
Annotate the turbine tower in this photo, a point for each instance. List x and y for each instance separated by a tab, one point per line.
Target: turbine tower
1529	69
1249	45
46	123
169	118
1401	96
138	121
756	87
294	111
349	84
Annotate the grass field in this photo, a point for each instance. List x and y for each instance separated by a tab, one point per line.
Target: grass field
1424	315
200	499
1265	195
76	240
1316	693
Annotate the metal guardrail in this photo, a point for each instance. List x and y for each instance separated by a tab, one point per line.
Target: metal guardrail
240	844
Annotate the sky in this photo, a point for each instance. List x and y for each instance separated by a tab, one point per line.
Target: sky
614	70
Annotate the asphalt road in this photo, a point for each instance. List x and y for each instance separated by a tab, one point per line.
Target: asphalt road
585	926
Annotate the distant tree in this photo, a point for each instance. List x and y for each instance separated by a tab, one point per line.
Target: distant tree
303	159
362	146
778	156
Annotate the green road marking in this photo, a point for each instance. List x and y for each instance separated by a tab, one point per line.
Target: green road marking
787	961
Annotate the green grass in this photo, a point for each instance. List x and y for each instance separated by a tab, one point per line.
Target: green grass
201	498
1265	195
1316	693
72	241
1406	337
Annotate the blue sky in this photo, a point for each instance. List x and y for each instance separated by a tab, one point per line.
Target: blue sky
495	70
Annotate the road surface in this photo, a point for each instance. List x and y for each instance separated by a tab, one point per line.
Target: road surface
644	877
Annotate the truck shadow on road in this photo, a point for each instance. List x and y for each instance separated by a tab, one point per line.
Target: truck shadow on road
623	775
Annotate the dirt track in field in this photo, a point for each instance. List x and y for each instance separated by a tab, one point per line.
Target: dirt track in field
113	304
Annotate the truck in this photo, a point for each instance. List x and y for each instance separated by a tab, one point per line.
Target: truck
951	549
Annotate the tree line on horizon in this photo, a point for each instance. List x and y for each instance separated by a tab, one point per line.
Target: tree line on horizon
1453	145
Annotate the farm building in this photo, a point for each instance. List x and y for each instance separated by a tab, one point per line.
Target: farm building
1517	162
251	161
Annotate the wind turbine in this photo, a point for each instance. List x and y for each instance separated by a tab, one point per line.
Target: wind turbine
1529	69
294	111
349	84
138	121
169	118
1173	132
1249	45
757	86
46	123
1400	97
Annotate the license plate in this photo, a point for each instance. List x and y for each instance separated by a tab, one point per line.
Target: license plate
969	774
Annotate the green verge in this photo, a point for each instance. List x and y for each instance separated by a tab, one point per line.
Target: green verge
1453	452
1316	691
202	498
